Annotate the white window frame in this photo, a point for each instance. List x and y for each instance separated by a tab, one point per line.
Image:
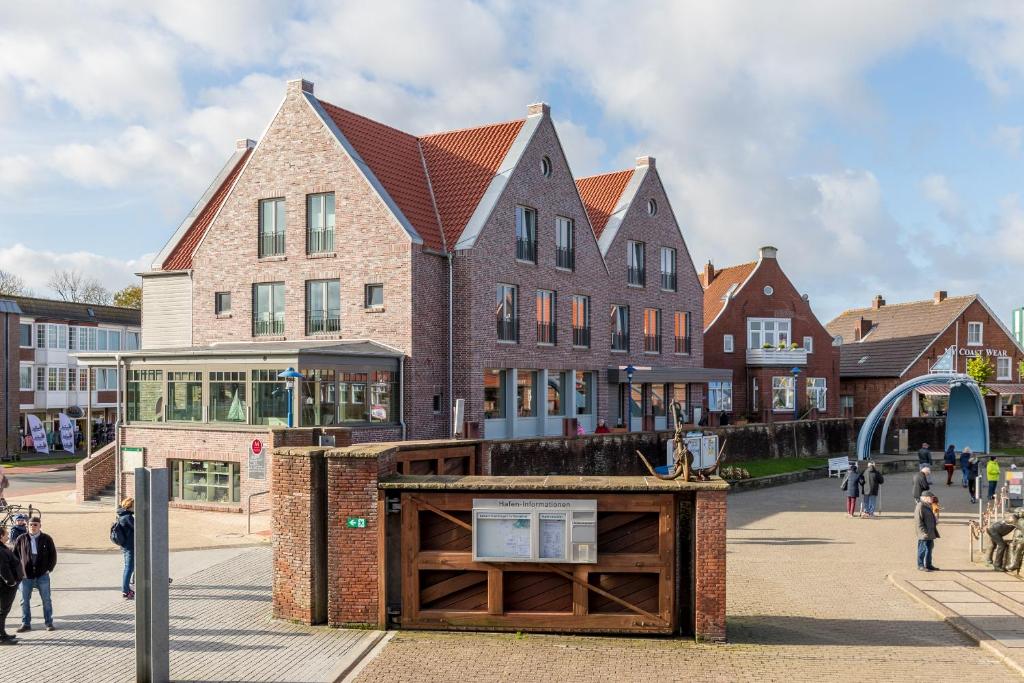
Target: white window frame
809	344
31	377
817	393
787	386
728	343
761	331
1008	375
980	327
719	397
31	335
40	378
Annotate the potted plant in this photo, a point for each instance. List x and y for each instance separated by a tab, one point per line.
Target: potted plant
767	347
782	346
793	346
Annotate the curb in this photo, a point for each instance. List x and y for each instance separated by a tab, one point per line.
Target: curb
983	639
227	546
368	653
810	474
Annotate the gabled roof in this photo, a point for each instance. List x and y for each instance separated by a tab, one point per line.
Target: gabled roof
900	321
55	309
726	282
885	358
601	194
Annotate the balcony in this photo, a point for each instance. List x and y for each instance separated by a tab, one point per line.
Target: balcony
682	345
526	250
271	244
620	341
777	357
668	282
323	322
508	329
319	241
636	276
546	333
652	343
268	327
581	337
565	257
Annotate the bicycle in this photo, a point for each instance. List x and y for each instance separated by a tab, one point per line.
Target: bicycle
9	512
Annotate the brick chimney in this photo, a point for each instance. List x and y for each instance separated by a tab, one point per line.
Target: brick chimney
877	302
709	273
645	161
940	296
862	329
300	85
538	109
767	252
244	143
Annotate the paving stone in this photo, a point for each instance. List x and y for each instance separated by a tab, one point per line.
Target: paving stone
937	585
955	596
1013	639
970	609
1014	595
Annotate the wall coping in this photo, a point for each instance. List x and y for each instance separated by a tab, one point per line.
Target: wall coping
362	451
300	451
426	482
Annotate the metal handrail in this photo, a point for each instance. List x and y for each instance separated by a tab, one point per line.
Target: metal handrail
248	510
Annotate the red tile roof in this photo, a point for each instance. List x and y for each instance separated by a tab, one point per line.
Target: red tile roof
600	194
715	291
180	257
461	164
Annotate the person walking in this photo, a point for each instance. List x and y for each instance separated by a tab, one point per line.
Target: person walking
927	532
10	578
992	475
972	478
965	465
852	484
921	482
123	534
38	556
873	481
20	527
924	456
949	463
4	483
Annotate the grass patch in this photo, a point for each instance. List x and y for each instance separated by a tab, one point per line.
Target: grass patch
767	466
1010	451
40	461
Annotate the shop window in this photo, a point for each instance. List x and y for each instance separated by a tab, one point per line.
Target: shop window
555	396
526	393
319	397
783	393
383	396
205	481
352	396
1004	368
817	393
185	396
584	393
145	395
227	397
494	394
658	400
975	334
720	397
269	398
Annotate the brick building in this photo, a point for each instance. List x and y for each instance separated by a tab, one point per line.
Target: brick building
470	261
758	325
9	396
884	345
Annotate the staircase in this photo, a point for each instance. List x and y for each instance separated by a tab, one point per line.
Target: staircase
105	497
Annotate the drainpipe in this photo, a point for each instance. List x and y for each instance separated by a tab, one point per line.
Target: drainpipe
117	430
451	399
7	385
401	393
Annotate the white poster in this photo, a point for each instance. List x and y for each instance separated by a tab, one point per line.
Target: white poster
67	433
38	434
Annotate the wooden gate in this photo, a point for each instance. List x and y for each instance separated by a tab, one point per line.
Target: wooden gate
631	588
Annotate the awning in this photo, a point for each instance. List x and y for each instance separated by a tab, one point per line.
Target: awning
671	376
1006	389
934	390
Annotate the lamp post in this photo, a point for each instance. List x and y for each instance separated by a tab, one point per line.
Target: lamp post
629	397
293	388
796	393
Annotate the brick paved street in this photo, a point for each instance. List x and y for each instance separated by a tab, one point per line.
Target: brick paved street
220	631
808	601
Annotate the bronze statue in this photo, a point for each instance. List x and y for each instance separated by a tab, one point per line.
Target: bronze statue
683	466
1016	545
997	530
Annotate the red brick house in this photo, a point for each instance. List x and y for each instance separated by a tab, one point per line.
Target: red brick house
759	326
884	345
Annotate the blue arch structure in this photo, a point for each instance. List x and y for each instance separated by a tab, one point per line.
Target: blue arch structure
966	420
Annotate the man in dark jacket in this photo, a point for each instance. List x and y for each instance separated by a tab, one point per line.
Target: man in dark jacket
927	531
873	481
965	465
924	456
997	530
38	556
922	482
972	477
949	463
10	579
126	522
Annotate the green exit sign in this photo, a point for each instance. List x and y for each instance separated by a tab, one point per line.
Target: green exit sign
356	522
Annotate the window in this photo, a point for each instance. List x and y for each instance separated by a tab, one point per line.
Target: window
494	394
113	340
222	303
373	296
565	243
352	395
383	396
320	223
545	166
205	481
25	335
581	321
272	222
145	395
268	309
809	344
846	403
41	336
83	380
720	396
635	274
269	397
783	393
319	397
25	378
185	396
755	394
768	290
584	393
652	207
727	343
620	328
323	306
1004	368
768	332
682	332
50	336
437	404
131	339
546	324
526	234
72	378
40	378
57	379
817	393
526	393
506	313
974	334
104	379
556	403
652	330
668	269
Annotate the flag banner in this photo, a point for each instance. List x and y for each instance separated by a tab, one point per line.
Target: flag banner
38	434
67	433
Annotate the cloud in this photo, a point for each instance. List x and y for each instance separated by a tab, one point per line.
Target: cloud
1009	138
937	190
36	265
16	171
583	151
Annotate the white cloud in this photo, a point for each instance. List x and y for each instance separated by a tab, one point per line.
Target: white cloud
16	171
937	190
36	265
1009	138
583	151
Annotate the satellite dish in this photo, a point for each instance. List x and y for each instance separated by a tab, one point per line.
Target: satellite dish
74	412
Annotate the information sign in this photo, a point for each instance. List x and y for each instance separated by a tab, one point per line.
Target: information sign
131	458
257	460
534	530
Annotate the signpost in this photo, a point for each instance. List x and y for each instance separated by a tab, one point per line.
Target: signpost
257	460
131	458
152	619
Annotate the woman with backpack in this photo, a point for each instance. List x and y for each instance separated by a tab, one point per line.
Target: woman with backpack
122	533
852	485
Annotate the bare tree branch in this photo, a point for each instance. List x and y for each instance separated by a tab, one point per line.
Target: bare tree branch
71	285
13	285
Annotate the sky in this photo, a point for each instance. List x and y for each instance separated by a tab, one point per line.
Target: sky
878	144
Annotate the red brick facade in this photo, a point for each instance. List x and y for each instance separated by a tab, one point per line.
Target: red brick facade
709	566
10	395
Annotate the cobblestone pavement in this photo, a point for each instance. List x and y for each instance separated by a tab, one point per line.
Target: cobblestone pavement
808	601
220	631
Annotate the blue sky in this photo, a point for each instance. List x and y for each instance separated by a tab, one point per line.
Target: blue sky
877	144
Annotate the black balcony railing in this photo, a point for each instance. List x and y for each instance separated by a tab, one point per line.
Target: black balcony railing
682	344
320	241
581	336
652	343
271	244
565	257
323	322
268	327
620	341
546	333
508	329
668	281
526	250
636	276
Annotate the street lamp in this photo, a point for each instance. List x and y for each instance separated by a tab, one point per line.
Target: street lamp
629	397
796	393
293	387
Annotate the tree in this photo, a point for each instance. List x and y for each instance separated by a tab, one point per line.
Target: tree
13	285
981	369
71	285
129	297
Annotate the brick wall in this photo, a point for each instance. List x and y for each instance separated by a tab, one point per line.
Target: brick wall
94	474
709	565
9	406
